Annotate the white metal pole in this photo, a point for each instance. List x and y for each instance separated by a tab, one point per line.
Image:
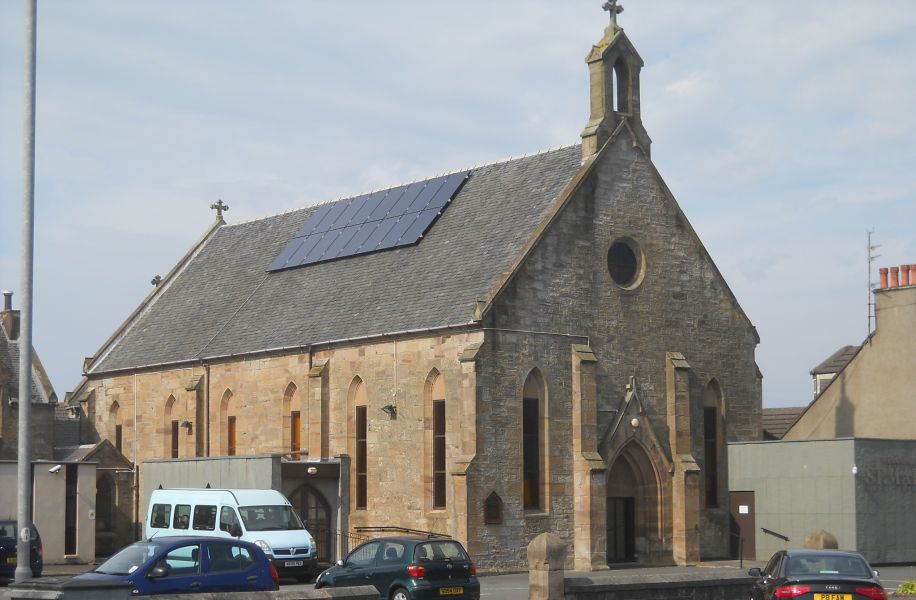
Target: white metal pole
23	506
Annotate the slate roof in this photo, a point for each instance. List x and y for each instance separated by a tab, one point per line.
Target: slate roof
777	421
223	302
837	361
9	358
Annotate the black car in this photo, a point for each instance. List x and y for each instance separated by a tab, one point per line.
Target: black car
407	568
8	550
817	575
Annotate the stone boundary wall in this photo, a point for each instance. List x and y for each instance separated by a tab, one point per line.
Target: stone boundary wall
650	588
61	590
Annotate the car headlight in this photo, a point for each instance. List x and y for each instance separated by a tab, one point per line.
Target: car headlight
265	547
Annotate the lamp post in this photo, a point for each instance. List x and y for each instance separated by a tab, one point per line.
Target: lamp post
23	520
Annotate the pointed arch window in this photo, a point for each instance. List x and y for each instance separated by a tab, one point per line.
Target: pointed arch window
114	420
534	410
292	422
493	509
171	428
713	437
362	479
358	399
436	450
228	427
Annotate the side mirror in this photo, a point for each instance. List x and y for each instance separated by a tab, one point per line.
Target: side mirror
235	530
877	573
340	563
755	572
160	570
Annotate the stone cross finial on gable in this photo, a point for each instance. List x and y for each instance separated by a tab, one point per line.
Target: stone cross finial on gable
220	207
615	9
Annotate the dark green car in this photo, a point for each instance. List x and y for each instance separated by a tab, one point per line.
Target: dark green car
407	568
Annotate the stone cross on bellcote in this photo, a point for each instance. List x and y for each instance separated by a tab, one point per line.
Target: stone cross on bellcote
615	9
220	207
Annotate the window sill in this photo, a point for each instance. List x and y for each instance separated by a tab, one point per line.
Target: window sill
536	513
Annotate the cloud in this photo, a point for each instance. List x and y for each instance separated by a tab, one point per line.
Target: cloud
783	128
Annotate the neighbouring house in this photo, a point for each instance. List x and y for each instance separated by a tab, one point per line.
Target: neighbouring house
776	421
824	373
847	463
63	494
541	344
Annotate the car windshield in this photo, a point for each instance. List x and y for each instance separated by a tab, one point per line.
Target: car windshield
270	518
129	559
825	564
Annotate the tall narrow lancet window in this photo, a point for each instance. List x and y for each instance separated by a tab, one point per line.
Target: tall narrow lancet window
295	438
292	422
114	424
231	435
170	428
357	400
174	438
436	453
713	440
362	479
533	441
228	432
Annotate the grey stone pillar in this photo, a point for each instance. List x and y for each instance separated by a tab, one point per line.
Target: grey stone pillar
546	560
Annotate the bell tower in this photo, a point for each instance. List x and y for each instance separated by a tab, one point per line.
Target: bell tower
614	66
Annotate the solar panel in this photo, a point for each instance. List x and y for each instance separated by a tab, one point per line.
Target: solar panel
382	220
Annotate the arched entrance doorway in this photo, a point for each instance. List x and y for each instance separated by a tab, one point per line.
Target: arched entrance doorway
632	505
312	507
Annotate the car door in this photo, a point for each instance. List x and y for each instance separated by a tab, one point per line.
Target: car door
390	564
184	572
771	578
229	568
358	566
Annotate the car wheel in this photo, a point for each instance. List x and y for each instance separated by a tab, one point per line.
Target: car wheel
400	594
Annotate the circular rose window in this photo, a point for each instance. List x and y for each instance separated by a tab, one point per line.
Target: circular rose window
624	263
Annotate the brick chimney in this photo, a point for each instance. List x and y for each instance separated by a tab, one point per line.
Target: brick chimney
613	66
9	318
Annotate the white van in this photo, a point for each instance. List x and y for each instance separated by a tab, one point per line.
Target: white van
263	517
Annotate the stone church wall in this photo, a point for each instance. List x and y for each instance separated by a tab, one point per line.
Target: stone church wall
253	391
681	305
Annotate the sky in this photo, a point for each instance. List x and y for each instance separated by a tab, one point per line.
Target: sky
786	130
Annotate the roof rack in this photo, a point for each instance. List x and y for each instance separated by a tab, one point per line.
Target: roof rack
383	528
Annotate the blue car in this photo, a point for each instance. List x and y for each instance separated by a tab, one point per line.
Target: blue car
8	550
188	564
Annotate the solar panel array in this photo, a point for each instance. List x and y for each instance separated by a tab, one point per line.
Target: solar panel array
387	219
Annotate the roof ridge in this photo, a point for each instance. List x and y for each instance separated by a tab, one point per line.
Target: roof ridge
391	187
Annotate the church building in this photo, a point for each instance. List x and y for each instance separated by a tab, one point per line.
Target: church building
536	345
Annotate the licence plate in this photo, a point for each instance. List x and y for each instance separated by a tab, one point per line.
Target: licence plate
832	596
448	591
11	560
292	563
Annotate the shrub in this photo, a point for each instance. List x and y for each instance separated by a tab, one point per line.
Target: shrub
907	588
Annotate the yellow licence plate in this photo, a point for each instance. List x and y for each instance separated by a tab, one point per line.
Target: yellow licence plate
11	560
832	596
460	590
